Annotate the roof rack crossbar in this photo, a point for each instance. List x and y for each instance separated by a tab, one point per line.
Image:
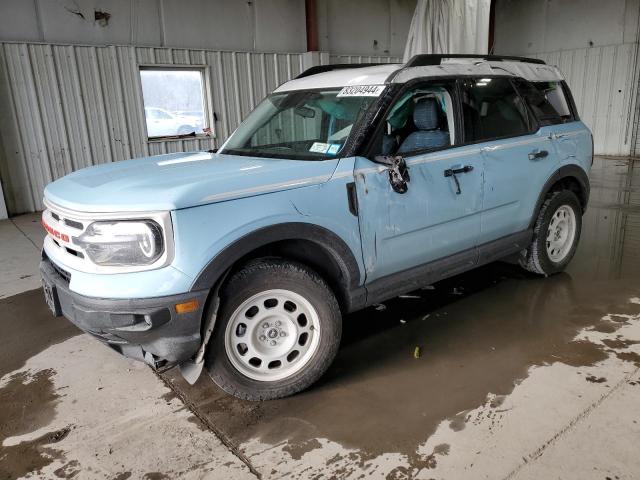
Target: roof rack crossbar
335	66
423	60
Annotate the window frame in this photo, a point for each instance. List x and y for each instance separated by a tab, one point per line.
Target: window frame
207	101
568	98
349	148
534	124
455	100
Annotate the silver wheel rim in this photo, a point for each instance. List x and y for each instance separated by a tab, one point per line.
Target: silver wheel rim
561	233
272	335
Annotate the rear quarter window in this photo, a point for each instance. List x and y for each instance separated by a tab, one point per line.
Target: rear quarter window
547	101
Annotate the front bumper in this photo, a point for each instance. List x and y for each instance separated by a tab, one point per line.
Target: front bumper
146	329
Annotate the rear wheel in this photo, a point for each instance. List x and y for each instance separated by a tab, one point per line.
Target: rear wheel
556	234
278	331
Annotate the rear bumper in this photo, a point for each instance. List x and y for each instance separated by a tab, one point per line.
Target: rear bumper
147	329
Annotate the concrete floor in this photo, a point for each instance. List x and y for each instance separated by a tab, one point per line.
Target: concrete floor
519	377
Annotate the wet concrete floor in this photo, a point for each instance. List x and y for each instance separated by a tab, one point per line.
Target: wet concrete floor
27	404
478	333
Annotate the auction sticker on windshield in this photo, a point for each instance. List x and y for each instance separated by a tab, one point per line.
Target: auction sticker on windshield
319	147
361	91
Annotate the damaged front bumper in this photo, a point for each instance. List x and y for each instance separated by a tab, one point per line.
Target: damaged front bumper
147	329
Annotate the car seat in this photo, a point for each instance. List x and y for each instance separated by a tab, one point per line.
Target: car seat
428	136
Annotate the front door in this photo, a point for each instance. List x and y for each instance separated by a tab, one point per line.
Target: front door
408	237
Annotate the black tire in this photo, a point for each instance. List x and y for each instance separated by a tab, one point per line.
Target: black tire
536	258
256	277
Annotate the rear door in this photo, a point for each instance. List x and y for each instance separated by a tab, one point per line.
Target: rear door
518	156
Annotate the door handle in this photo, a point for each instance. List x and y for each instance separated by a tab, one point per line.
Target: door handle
452	172
449	172
538	154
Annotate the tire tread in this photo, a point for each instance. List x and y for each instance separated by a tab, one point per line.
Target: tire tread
273	266
535	255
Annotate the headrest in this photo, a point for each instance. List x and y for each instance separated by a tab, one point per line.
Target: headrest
425	114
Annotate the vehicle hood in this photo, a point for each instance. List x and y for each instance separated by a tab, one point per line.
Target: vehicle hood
181	180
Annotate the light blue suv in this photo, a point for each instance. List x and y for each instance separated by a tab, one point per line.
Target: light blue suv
347	186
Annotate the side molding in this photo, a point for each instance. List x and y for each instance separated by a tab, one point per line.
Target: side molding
331	243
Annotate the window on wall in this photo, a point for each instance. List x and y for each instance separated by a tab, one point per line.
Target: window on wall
491	108
174	101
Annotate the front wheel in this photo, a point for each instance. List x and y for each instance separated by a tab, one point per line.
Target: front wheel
555	235
278	331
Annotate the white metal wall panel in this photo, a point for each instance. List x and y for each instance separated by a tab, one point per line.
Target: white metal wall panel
604	85
66	107
363	59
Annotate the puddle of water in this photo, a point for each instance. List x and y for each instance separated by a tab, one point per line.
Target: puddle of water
27	400
28	403
28	328
479	334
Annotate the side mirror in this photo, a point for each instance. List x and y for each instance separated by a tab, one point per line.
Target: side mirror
398	172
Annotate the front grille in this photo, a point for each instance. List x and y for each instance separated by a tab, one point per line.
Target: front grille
69	227
73	224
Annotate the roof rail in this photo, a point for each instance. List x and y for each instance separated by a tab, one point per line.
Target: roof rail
424	60
336	66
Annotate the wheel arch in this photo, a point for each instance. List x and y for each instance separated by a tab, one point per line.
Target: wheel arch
312	245
570	177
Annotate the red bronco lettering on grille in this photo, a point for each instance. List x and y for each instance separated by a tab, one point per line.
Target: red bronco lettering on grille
55	233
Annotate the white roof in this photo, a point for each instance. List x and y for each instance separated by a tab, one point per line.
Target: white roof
379	74
376	75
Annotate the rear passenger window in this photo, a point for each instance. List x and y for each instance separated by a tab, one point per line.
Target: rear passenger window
547	101
491	108
555	95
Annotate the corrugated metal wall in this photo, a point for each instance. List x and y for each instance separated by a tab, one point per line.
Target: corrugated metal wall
363	59
66	107
604	83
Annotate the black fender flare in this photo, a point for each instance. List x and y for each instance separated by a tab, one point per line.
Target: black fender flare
331	243
566	171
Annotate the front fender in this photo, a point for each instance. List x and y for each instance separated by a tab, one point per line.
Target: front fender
210	238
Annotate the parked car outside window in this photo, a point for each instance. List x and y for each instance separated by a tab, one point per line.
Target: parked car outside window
174	101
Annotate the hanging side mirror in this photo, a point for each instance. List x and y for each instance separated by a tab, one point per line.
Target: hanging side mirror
398	171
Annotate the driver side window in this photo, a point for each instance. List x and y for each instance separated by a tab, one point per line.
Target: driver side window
420	120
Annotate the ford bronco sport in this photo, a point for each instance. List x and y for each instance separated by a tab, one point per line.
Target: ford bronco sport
346	186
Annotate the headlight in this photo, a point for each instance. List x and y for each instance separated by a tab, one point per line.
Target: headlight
125	243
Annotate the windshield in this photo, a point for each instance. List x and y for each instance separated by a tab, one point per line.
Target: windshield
301	125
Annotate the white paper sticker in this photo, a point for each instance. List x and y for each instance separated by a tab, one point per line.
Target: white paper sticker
362	91
319	147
